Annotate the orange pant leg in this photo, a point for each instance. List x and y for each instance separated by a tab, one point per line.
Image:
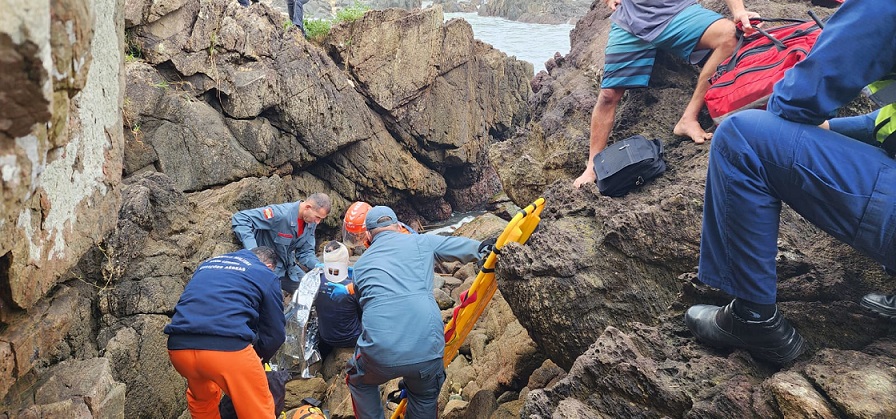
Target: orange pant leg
239	374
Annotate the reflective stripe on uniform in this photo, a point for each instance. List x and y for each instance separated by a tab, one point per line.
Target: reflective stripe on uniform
885	128
883	93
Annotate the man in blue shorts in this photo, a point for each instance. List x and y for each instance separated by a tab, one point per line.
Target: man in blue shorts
640	28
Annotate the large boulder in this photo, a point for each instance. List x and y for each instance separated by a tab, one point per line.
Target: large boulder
243	108
421	93
56	328
136	348
331	9
78	389
459	6
659	372
567	11
602	285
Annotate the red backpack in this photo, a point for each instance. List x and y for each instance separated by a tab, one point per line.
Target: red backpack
745	80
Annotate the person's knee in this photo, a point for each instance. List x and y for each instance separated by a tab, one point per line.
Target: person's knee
720	36
609	97
744	127
424	400
429	391
729	127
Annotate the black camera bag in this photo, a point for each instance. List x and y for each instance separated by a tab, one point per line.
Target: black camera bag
627	164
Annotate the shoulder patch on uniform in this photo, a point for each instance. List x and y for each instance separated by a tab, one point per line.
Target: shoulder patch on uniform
268	213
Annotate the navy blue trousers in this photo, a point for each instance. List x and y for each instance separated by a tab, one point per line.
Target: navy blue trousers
296	11
757	160
423	381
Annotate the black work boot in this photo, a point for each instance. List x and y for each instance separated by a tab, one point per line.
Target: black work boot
773	340
882	305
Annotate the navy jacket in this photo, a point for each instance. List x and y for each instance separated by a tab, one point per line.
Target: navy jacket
233	300
277	227
856	47
339	318
860	127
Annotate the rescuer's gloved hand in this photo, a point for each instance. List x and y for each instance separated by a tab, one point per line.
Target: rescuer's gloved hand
487	246
336	290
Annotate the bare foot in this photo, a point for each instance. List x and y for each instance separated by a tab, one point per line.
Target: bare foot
691	129
586	177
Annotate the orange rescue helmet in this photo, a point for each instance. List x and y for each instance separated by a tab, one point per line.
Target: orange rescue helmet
353	224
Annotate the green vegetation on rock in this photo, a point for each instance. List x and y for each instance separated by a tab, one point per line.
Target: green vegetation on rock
318	29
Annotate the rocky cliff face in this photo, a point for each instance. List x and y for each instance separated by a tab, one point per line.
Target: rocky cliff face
212	104
554	12
60	140
603	284
223	109
532	11
328	9
60	152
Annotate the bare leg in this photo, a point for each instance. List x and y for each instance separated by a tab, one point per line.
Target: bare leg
721	39
601	123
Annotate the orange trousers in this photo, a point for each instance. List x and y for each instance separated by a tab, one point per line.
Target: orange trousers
239	374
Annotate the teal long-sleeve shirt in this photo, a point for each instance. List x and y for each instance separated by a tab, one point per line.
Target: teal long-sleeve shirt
402	324
276	226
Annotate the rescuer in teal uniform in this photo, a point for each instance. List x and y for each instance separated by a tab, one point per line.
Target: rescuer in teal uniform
402	328
289	230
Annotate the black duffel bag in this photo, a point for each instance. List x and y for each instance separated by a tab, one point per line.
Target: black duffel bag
627	164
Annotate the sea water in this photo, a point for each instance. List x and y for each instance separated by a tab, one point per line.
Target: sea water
447	227
532	42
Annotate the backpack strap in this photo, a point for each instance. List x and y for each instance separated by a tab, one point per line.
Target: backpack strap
775	41
732	62
779	20
885	129
817	20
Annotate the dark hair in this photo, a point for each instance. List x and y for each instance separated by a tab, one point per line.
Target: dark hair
266	255
331	246
320	200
